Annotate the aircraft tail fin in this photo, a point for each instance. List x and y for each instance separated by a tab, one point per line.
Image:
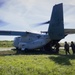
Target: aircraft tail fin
56	25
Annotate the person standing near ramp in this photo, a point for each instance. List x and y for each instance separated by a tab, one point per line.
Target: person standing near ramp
73	47
57	47
66	47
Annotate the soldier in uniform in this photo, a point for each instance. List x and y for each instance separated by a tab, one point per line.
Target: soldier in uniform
57	47
73	47
66	47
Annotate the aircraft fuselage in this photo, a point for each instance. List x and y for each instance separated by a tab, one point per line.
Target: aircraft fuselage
31	41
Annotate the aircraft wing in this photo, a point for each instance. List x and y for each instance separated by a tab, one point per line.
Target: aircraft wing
14	33
69	31
19	33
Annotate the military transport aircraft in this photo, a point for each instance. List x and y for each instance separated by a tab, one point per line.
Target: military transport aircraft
55	33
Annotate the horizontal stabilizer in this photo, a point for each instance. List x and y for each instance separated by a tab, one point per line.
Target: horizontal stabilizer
69	31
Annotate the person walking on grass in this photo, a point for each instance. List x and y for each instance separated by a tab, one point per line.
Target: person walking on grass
66	47
57	48
73	47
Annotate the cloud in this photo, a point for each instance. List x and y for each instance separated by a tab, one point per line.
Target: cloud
2	23
21	14
15	11
2	2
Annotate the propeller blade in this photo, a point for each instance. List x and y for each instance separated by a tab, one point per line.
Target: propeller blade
3	23
39	24
44	23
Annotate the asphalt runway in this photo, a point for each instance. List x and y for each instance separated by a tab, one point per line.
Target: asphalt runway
6	49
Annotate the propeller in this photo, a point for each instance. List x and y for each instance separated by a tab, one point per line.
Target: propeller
3	23
47	22
39	24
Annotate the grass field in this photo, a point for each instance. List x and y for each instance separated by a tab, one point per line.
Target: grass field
37	64
6	43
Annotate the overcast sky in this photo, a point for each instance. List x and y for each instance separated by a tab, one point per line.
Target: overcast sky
22	15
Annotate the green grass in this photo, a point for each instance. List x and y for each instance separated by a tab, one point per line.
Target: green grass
37	65
6	43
